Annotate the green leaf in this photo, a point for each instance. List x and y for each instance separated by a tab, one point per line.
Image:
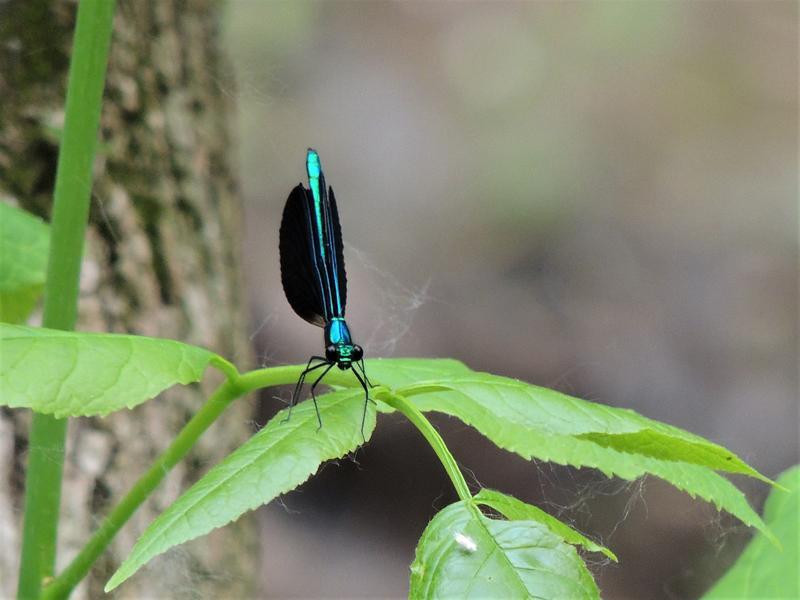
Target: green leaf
544	424
764	570
517	510
399	372
24	241
550	411
91	373
463	554
277	459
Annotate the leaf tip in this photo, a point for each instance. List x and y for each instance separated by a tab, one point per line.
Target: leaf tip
778	486
608	553
773	539
121	575
113	582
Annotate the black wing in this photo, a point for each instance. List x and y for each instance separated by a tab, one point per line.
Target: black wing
312	256
298	272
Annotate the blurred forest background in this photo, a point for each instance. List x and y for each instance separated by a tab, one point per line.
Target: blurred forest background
596	197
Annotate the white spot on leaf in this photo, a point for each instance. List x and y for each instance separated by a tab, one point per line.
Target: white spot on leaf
466	542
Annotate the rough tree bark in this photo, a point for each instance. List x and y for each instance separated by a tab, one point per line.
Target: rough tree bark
161	259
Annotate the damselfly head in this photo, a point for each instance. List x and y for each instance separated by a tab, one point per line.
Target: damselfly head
343	355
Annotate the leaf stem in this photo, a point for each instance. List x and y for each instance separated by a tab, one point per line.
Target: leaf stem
62	585
234	387
271	376
413	414
68	226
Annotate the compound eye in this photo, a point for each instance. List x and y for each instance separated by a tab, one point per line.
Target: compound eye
358	353
331	353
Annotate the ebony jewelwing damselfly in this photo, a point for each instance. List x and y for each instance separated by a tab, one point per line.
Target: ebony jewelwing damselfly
314	279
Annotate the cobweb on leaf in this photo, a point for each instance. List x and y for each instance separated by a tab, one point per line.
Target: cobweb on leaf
398	303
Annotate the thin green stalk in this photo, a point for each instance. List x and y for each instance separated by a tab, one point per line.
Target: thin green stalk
235	387
42	500
68	226
413	414
202	420
271	376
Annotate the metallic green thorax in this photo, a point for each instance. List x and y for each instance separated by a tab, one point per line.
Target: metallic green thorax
338	334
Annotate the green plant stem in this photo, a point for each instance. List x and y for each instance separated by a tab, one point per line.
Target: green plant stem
271	376
42	501
235	387
202	420
413	414
68	227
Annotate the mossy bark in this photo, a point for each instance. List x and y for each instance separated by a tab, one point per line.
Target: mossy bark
161	259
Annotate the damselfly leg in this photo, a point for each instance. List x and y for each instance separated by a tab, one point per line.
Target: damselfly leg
364	373
366	400
298	386
313	395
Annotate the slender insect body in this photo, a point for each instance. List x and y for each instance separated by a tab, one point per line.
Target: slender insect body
314	278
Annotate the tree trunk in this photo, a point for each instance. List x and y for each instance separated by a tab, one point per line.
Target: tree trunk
162	259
